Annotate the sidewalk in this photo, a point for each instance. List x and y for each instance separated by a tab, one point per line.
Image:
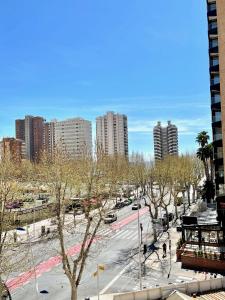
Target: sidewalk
168	265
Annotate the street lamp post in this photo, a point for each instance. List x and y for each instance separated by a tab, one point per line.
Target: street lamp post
139	247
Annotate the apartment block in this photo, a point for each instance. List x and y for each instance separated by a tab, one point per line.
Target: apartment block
74	136
112	133
49	137
31	131
12	148
216	35
165	140
20	129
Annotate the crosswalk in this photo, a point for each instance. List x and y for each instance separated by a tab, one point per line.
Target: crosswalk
121	234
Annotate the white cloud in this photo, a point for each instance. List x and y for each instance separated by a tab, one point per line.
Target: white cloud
185	126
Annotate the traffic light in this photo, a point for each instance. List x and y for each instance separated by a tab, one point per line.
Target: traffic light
145	249
141	226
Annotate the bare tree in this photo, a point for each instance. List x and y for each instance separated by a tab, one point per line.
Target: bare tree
88	175
10	247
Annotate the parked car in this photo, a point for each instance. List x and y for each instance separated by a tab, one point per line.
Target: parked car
127	202
14	204
136	206
110	218
119	205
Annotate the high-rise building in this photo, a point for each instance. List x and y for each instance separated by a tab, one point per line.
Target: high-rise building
11	148
216	35
49	137
31	130
165	140
112	134
74	136
20	130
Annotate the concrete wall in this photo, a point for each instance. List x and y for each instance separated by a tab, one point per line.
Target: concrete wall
163	292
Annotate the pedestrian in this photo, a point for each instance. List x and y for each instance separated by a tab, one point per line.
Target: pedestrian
164	249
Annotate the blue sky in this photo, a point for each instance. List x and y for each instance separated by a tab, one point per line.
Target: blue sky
147	59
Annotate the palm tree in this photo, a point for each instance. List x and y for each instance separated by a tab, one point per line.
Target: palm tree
202	155
205	153
202	138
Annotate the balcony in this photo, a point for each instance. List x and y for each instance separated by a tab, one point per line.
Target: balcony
214	68
216	118
212	13
212	28
215	99
217	137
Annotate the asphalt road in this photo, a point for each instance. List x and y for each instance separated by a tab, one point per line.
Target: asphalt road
116	244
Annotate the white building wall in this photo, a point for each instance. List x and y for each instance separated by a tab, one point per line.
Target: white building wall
74	136
112	134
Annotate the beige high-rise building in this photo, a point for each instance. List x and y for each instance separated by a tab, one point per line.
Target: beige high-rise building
216	34
112	133
165	140
74	136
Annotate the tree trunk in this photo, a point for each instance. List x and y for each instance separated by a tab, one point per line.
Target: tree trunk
175	204
188	196
206	170
73	292
193	194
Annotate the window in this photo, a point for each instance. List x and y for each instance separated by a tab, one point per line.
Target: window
214	61
216	116
216	98
211	6
215	79
212	25
213	43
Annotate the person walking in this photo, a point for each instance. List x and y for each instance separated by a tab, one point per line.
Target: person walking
164	249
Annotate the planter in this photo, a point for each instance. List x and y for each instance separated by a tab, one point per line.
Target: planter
201	263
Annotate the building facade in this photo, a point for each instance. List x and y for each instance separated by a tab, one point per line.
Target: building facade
165	140
73	136
112	133
49	137
20	129
31	131
11	148
216	35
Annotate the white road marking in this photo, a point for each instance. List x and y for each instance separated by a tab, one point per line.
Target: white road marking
116	278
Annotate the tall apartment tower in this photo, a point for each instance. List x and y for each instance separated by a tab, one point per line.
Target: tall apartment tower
165	140
74	136
112	134
31	131
216	35
49	137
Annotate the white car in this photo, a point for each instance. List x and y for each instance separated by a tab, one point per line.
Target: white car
110	218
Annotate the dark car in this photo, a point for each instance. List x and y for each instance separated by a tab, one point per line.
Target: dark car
127	202
119	205
136	206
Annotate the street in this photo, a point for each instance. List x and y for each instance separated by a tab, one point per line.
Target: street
115	247
115	243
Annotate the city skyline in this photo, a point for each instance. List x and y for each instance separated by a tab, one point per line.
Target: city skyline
77	70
